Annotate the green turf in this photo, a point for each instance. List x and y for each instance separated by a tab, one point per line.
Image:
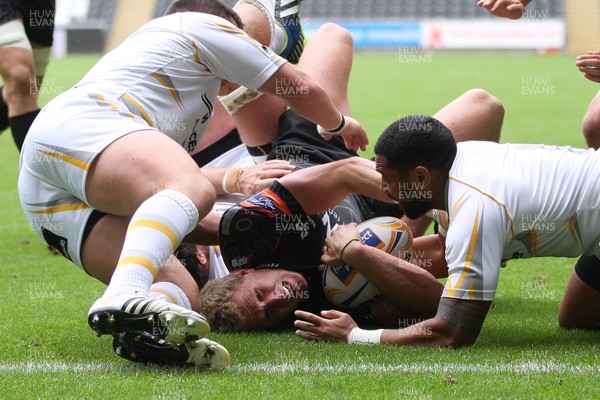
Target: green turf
47	350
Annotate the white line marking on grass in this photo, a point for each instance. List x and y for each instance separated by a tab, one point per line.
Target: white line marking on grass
520	368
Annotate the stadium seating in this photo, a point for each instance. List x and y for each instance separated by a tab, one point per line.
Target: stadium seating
103	10
414	9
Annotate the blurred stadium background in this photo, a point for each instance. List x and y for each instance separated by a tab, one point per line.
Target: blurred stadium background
547	26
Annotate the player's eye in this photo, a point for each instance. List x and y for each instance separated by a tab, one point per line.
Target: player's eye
259	295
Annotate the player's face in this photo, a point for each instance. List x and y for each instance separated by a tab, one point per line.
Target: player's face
267	296
412	196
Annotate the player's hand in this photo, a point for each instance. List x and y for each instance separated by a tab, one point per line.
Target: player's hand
334	244
333	326
256	178
589	64
354	135
512	9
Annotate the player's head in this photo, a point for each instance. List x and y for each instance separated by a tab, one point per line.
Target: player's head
214	7
413	154
249	299
196	260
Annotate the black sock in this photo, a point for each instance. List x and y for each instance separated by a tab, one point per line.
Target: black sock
3	112
20	125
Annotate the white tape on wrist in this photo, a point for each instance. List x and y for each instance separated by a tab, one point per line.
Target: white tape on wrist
362	336
224	182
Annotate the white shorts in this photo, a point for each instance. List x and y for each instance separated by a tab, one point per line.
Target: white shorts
58	151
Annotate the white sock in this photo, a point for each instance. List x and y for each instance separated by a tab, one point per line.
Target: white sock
156	229
279	39
169	292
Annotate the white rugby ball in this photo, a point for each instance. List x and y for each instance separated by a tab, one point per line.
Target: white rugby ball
346	287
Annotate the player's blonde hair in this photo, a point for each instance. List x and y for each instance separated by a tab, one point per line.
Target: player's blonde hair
217	307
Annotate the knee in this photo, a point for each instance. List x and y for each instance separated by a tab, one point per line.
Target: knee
20	74
201	192
19	81
485	99
337	33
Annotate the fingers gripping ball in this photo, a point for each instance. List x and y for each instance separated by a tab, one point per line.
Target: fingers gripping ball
346	287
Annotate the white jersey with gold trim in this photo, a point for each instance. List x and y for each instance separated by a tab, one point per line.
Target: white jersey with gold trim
169	71
517	201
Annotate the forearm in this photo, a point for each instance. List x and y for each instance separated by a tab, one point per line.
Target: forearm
303	95
456	324
224	180
337	180
409	288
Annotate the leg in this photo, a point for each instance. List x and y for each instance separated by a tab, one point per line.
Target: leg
165	194
20	90
331	72
476	115
591	123
258	18
580	307
327	58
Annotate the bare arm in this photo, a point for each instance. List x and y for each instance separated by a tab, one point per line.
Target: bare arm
323	186
457	324
303	95
408	287
428	253
247	181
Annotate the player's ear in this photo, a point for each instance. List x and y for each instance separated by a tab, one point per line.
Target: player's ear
422	174
243	271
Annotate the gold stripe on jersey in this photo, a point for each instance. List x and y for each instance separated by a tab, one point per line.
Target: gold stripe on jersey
169	295
227	28
500	203
534	237
68	159
455	205
148	223
573	232
144	262
467	266
139	107
102	102
164	80
197	56
61	208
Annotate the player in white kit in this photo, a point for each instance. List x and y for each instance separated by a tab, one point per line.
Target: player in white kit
118	144
504	201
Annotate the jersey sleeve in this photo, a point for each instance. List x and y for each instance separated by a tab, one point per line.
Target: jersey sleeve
474	246
229	53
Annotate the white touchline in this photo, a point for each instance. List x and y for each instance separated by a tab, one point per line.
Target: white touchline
518	368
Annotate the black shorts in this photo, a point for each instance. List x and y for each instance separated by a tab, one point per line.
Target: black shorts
37	16
588	270
299	143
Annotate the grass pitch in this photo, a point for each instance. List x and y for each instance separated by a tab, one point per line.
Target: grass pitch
48	351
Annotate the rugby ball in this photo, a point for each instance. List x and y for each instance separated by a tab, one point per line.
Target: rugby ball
345	287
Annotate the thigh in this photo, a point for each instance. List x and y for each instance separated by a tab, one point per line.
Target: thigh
139	165
70	133
55	215
580	306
